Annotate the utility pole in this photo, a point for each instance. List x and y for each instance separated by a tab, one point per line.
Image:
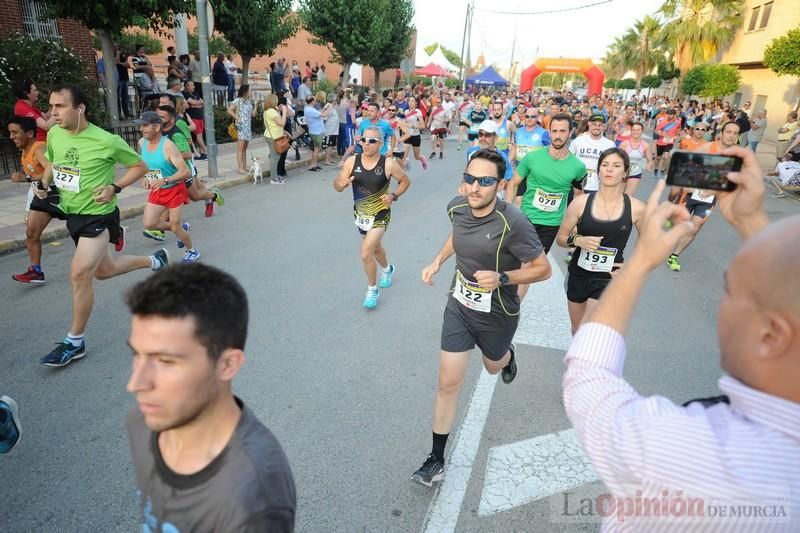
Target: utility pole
205	73
513	47
461	70
470	14
181	35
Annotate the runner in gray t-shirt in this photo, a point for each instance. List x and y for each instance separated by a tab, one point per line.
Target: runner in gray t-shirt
496	249
203	461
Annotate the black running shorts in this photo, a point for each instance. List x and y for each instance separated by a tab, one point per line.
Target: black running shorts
547	235
49	205
582	288
93	226
460	335
414	140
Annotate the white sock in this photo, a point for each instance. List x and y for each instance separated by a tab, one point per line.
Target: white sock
154	263
75	340
388	268
372	287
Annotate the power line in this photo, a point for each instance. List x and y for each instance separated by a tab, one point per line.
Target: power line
564	10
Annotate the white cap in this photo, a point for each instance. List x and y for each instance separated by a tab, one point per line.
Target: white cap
488	126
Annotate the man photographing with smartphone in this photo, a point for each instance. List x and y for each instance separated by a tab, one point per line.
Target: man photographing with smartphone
742	452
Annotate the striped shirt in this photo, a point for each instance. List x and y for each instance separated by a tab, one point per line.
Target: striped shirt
742	461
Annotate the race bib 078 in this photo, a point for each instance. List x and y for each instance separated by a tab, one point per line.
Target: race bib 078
547	201
471	295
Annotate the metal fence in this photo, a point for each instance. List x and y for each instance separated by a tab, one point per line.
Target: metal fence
9	158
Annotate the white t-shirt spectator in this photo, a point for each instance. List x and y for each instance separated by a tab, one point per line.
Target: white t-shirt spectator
789	173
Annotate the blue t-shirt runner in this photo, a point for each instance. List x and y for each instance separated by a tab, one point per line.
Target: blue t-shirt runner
509	169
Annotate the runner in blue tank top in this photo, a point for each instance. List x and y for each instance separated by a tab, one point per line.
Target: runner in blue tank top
165	177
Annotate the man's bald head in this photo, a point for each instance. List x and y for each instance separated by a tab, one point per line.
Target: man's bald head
759	315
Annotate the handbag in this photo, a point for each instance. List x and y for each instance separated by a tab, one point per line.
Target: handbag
282	144
232	133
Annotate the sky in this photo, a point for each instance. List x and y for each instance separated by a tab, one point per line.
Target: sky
579	34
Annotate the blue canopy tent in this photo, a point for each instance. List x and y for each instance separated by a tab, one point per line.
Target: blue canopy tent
488	77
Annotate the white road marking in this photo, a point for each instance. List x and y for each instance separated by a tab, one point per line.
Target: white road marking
544	322
443	512
532	469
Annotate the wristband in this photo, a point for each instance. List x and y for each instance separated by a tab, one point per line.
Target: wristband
117	188
571	240
393	195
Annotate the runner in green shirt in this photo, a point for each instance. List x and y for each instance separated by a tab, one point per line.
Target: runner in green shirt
84	158
550	175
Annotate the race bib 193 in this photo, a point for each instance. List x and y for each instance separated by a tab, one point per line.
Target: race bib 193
364	222
471	295
67	178
601	260
547	201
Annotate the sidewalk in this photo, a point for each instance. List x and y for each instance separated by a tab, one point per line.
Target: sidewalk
132	200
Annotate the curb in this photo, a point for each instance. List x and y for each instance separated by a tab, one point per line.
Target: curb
13	245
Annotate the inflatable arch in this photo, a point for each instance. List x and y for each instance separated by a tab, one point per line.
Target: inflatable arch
582	66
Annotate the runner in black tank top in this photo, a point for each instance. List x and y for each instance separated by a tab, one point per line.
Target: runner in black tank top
603	222
369	174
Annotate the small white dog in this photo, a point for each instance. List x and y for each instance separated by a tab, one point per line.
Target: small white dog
258	175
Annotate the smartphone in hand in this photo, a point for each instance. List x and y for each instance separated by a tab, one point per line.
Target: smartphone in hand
700	170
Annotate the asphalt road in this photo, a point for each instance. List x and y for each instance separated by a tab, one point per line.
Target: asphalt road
347	392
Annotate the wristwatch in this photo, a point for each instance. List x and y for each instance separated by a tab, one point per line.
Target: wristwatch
503	278
393	195
117	188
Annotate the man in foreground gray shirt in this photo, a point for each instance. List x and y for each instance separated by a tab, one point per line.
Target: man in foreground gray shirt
203	460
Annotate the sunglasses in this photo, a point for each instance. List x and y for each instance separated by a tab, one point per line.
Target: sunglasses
370	140
531	116
700	129
393	111
483	181
485	134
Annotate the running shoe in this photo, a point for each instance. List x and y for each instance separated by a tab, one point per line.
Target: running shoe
154	234
63	354
10	427
509	371
191	256
441	155
209	208
186	227
673	263
433	154
219	199
162	258
120	245
459	147
371	298
31	276
431	470
424	161
277	181
386	278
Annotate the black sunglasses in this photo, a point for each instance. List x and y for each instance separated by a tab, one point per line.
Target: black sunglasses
483	181
393	111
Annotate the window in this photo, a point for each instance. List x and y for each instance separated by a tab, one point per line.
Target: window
32	22
754	18
765	15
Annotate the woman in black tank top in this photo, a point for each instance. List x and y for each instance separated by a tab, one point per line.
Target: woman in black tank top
598	225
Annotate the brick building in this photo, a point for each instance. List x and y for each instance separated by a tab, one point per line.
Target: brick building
23	16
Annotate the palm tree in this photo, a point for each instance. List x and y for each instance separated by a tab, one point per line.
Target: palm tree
641	47
697	30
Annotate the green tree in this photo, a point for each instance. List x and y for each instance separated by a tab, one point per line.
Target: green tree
345	28
720	80
391	38
255	27
666	69
451	56
641	43
650	82
697	30
782	56
216	43
616	60
110	18
627	83
695	80
127	41
611	83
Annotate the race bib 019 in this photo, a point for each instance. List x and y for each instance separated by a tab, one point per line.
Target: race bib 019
601	260
67	178
364	222
547	201
471	295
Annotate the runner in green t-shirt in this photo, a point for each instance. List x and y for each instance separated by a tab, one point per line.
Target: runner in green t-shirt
83	159
550	175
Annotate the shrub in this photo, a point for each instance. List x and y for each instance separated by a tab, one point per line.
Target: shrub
128	40
222	120
48	63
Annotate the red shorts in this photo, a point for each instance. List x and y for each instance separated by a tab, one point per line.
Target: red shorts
170	198
199	125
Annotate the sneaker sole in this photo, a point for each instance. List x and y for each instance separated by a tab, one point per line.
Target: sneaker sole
30	281
418	479
153	238
71	359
